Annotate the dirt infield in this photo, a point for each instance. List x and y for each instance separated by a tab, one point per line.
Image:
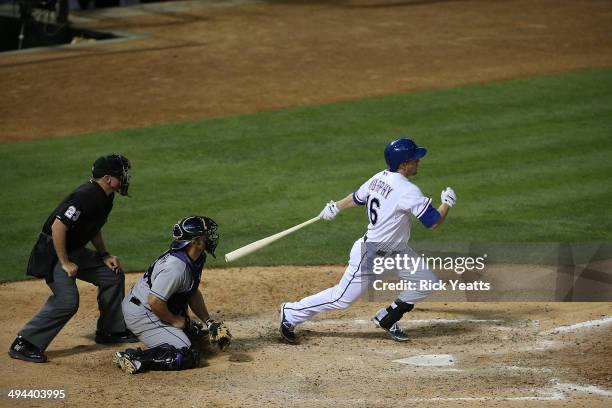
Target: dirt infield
502	352
200	61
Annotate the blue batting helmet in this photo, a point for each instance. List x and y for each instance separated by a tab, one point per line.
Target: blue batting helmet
402	150
194	226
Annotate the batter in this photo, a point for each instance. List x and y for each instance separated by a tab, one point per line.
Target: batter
391	202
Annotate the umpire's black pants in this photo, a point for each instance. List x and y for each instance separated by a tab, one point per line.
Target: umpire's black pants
64	302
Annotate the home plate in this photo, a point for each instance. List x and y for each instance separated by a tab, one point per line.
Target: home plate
429	360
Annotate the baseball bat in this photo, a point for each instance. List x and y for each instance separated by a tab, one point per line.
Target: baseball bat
264	242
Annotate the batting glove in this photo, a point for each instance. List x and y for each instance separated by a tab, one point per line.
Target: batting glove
448	196
330	211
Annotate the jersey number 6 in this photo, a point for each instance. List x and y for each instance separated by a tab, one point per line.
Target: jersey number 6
373	205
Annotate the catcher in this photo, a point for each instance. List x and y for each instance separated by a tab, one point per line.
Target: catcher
155	309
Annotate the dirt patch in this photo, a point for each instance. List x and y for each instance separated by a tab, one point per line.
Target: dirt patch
501	351
209	61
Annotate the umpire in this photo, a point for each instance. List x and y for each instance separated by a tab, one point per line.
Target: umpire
60	256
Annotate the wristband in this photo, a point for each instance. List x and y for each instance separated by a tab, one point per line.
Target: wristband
104	254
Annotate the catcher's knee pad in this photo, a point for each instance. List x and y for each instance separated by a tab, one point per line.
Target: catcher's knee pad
167	358
395	311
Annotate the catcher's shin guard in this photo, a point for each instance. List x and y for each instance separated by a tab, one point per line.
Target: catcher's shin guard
166	358
392	314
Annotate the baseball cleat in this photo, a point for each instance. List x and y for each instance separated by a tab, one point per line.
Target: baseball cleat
285	328
395	332
22	349
127	364
117	357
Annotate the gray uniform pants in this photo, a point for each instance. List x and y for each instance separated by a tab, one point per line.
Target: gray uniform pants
64	302
149	328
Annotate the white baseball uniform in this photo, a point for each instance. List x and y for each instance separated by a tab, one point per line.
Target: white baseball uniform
391	201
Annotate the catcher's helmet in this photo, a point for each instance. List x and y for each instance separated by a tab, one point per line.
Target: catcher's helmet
114	165
402	150
185	230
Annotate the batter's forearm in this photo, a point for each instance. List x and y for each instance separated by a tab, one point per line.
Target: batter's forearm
443	210
198	306
346	202
58	233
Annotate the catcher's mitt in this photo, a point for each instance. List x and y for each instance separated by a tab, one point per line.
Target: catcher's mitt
218	334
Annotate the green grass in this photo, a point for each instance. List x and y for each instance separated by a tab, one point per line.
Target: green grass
530	160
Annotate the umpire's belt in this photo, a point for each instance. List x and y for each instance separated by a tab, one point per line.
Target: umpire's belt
135	301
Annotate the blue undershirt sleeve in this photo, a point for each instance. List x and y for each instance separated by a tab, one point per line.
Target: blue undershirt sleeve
430	216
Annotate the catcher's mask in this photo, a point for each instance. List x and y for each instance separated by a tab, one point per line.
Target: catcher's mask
195	226
113	165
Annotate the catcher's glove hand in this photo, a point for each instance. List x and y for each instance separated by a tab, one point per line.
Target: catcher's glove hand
195	330
219	334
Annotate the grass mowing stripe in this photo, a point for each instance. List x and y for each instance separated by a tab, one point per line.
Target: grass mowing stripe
528	159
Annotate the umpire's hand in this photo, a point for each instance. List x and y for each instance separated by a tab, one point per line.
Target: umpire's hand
113	263
70	268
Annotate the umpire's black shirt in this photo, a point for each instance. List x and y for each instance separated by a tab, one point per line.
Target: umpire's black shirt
84	212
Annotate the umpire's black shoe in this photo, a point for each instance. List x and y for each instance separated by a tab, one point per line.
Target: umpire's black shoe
286	329
113	338
24	350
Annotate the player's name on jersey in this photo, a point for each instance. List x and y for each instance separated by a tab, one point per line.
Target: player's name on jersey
380	187
427	285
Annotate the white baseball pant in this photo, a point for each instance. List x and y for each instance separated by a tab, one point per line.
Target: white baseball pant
353	285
